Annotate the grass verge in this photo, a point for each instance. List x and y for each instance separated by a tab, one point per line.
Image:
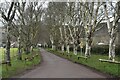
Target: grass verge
19	66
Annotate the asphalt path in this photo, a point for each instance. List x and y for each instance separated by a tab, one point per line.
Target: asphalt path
53	66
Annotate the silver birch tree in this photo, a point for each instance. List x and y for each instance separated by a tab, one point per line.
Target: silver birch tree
112	27
90	17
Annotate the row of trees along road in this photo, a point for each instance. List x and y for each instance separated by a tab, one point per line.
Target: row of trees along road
66	23
70	21
23	21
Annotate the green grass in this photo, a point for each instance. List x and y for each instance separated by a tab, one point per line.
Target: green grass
19	66
93	62
1	53
13	52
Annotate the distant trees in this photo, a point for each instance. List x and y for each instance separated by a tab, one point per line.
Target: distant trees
61	16
54	21
74	25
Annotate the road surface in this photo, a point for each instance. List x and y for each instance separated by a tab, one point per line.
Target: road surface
53	66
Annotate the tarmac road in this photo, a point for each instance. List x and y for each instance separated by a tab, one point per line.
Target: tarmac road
53	66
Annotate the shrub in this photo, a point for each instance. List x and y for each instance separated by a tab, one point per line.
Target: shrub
104	49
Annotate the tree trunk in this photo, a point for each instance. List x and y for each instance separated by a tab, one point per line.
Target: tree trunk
19	49
62	41
27	49
112	45
112	30
19	53
31	48
118	42
53	47
88	48
111	50
8	60
68	48
75	49
52	42
8	51
62	47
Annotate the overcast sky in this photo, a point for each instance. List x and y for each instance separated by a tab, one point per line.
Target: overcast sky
2	1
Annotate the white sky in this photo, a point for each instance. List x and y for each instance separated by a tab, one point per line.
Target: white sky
3	1
45	5
58	0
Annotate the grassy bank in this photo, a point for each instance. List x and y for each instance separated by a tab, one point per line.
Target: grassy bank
13	52
19	66
93	62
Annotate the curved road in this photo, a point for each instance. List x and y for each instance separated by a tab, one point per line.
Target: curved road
56	67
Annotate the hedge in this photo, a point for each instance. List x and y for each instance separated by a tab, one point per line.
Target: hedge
97	49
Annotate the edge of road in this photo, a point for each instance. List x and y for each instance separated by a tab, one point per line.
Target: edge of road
28	70
91	68
36	66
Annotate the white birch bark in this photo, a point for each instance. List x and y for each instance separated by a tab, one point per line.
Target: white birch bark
62	44
75	49
73	40
89	18
88	48
66	41
52	42
112	30
68	48
62	47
